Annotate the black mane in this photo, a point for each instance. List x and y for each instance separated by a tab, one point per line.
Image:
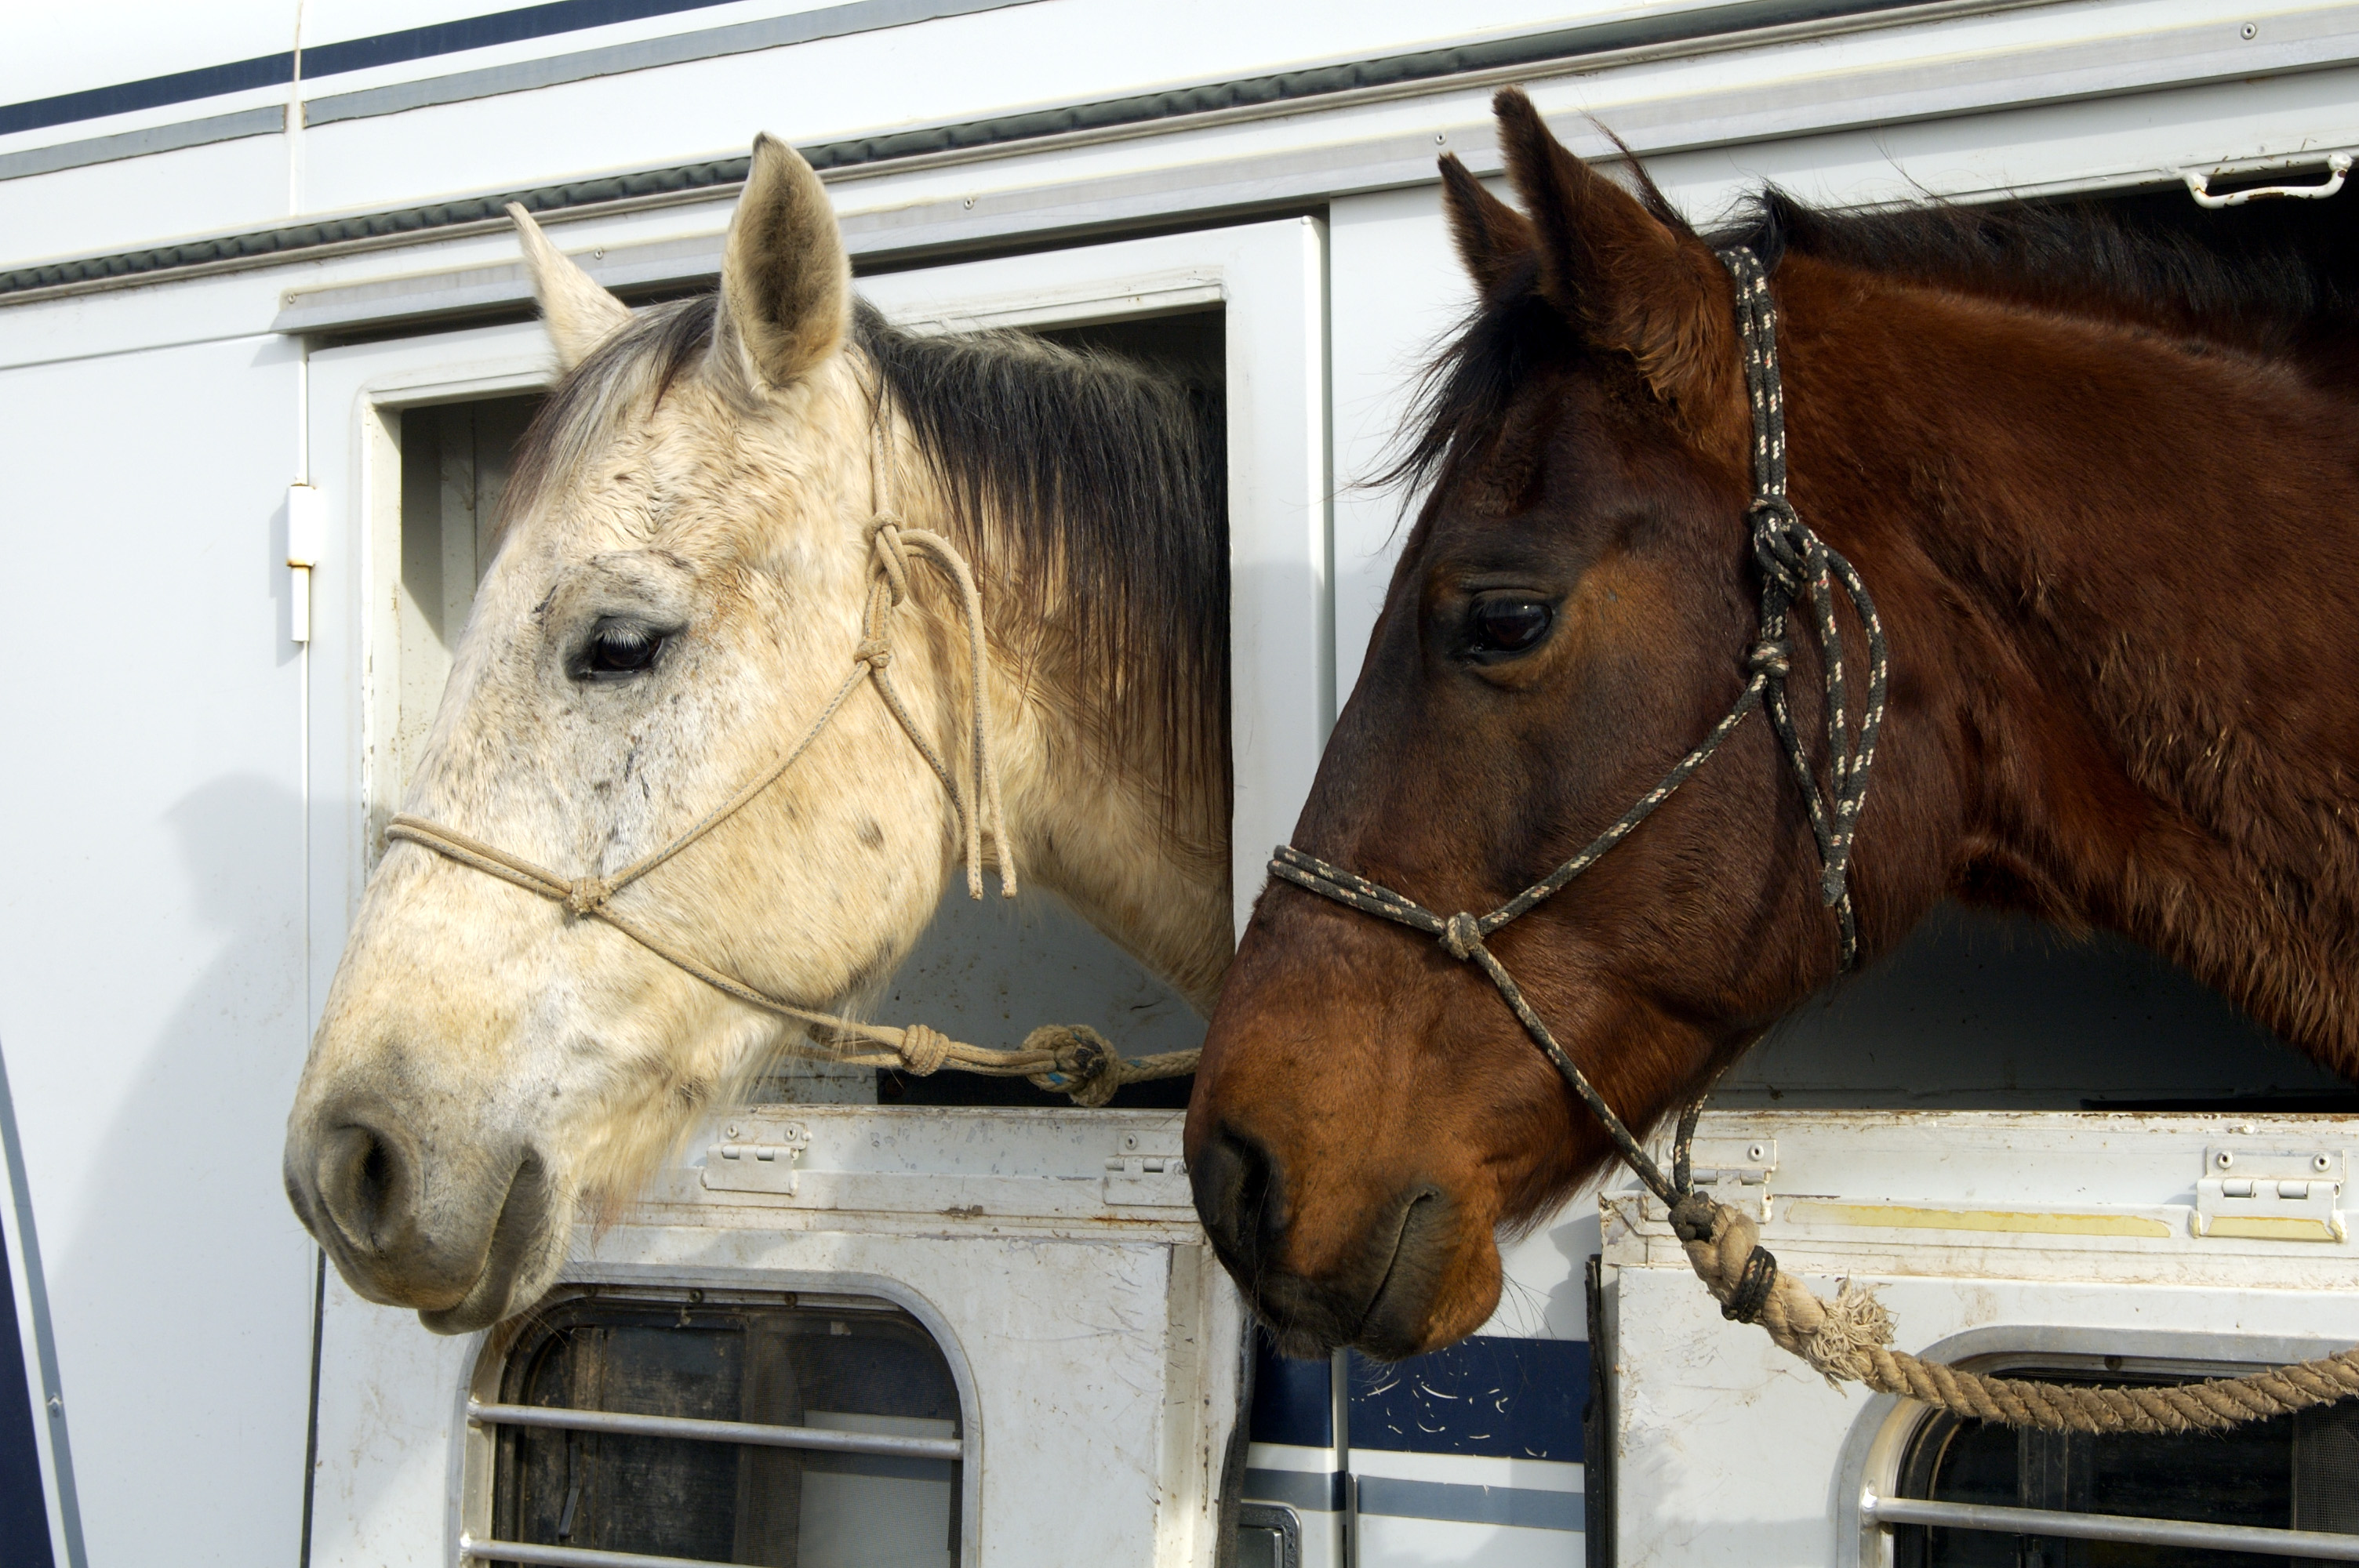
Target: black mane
2277	279
1084	479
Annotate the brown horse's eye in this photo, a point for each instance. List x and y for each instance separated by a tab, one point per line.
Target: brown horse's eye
1497	627
616	650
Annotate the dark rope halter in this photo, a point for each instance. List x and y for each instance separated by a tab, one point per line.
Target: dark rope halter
1795	565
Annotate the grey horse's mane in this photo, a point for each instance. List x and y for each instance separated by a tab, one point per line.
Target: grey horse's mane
1083	484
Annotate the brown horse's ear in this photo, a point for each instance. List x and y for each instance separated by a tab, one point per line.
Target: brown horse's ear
1624	278
1493	239
578	313
786	283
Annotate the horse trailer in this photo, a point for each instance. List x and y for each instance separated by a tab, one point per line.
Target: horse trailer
862	1316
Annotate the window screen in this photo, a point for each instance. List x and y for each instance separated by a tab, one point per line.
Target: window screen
838	1364
2298	1472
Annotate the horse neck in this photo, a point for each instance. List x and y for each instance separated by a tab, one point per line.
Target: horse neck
2116	570
1138	850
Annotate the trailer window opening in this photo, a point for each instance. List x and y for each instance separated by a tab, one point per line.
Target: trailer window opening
2298	1472
832	1365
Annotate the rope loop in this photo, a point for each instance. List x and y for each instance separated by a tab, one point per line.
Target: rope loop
1753	1287
884	539
1460	935
924	1050
1088	1068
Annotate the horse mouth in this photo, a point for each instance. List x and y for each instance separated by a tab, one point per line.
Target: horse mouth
515	1257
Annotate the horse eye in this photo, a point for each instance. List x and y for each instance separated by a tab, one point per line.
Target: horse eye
1507	625
617	650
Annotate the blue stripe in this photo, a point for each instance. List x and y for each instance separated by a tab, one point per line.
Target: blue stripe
482	32
1506	1398
1294	1401
270	71
331	60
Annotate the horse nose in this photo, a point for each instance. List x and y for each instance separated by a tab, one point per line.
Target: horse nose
365	1179
1237	1197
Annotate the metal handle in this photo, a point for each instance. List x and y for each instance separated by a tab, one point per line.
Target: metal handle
2199	186
2258	1540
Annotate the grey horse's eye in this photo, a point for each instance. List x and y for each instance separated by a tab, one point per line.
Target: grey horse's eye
617	650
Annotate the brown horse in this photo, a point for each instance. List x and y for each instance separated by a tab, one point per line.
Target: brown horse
2101	482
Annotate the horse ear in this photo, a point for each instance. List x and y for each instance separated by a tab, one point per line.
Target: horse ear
577	312
786	285
1493	238
1623	277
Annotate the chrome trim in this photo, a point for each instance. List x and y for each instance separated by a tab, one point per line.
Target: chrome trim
2310	1543
755	1433
474	1550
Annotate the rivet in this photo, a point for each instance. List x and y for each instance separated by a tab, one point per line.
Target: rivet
1758	1151
2320	1162
2250	30
2223	1159
1439	137
969	201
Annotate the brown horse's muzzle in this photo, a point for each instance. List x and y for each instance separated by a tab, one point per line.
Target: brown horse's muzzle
1377	1288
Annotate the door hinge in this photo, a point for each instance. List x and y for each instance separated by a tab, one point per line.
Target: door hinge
2279	1194
307	543
1148	1173
771	1166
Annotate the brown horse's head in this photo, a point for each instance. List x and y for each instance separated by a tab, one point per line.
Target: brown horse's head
1569	616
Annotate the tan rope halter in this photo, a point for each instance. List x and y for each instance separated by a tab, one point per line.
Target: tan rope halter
1073	1059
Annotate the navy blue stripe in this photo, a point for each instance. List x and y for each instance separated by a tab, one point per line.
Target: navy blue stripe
270	71
1293	1401
1313	1491
1506	1398
482	32
331	60
1459	1503
24	1507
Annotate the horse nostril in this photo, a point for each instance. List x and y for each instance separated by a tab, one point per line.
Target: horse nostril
364	1181
1238	1198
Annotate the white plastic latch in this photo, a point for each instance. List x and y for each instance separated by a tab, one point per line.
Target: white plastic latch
307	543
2278	1195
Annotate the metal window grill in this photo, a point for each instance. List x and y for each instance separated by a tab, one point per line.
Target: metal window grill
698	1428
1974	1494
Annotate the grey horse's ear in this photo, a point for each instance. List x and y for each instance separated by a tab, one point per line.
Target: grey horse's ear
578	313
786	283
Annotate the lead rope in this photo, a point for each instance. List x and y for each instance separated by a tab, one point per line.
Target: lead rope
1849	1338
1067	1058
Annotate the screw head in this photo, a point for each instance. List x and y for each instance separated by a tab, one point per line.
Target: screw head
1440	137
1758	1151
2320	1162
2223	1159
2249	31
1130	1140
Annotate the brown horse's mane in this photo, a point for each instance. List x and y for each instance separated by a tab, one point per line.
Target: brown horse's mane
2274	280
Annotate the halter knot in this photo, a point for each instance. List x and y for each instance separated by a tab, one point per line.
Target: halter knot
1781	543
1771	656
1460	935
924	1050
585	896
873	652
884	539
1088	1068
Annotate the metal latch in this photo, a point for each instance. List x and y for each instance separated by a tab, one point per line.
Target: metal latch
769	1166
1731	1170
1148	1175
2278	1195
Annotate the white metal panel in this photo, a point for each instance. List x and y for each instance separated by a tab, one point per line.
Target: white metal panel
1095	1345
1983	1233
151	933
